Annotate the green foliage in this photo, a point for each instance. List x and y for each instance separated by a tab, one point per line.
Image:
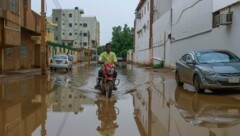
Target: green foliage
160	65
122	40
101	49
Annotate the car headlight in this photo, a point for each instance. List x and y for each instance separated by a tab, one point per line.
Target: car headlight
207	71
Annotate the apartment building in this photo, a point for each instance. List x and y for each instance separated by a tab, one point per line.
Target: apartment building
143	32
18	23
81	33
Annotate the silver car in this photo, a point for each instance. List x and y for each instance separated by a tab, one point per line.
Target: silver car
61	62
210	69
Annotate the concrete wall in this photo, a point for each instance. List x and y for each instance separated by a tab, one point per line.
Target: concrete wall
142	34
189	18
161	30
220	4
222	37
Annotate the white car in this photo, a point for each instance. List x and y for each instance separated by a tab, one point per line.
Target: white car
61	62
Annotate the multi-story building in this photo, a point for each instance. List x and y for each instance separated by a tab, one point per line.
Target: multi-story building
179	27
143	32
18	23
76	31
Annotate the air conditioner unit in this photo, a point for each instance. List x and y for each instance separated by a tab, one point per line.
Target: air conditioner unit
226	19
137	15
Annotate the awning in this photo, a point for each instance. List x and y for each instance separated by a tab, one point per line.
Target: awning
61	46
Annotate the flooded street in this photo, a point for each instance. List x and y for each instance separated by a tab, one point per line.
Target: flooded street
145	104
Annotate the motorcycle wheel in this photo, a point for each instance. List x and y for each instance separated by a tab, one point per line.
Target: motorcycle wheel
109	89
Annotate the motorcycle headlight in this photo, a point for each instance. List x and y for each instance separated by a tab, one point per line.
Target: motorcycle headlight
207	71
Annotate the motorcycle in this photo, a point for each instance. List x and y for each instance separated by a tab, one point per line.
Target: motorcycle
107	82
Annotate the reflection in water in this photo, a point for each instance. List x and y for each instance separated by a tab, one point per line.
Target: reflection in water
158	111
107	114
212	111
23	106
70	100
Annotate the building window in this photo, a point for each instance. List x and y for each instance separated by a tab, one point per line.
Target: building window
70	24
63	14
23	50
75	23
8	53
56	19
70	15
216	19
85	34
75	42
63	33
76	33
81	33
84	44
84	24
13	6
80	24
56	38
63	23
70	34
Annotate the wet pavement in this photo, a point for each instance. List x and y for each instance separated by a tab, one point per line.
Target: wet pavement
147	103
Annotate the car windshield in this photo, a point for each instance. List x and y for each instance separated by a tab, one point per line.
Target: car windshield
60	57
216	57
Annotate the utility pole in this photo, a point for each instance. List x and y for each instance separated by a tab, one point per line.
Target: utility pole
43	41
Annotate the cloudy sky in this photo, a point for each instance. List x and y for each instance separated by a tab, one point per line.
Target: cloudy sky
109	13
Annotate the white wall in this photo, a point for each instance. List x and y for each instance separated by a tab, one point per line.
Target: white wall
220	4
223	37
191	17
161	26
142	41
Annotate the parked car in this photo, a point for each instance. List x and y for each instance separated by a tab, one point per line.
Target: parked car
61	62
210	69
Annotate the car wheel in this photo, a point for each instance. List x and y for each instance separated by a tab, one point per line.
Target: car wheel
177	78
197	84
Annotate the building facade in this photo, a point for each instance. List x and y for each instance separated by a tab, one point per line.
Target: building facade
180	26
77	31
142	32
18	23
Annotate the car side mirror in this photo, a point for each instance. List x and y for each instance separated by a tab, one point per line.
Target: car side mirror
190	62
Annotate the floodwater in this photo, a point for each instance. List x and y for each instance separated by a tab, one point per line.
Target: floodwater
145	104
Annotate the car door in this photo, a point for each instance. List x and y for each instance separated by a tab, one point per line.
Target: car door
189	68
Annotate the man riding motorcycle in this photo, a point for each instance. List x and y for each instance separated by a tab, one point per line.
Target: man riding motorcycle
107	57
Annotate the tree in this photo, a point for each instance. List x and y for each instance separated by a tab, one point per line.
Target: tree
122	40
101	49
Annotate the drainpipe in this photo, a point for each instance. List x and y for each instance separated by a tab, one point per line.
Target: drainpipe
164	46
2	50
151	31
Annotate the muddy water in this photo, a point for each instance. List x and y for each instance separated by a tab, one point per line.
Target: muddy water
145	104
